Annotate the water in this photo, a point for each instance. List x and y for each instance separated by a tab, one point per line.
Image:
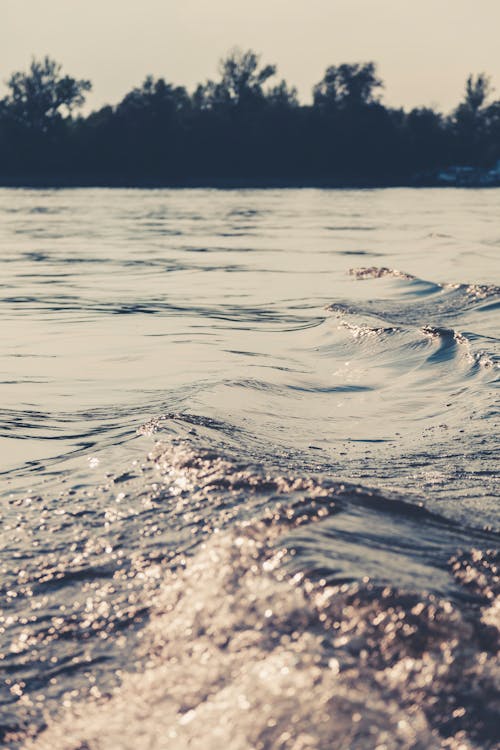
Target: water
248	458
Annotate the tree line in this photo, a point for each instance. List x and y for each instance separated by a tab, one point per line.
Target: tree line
246	125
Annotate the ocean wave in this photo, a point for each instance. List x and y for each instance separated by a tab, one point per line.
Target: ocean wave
432	315
246	649
375	272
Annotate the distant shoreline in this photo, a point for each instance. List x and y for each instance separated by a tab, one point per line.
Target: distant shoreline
223	183
243	130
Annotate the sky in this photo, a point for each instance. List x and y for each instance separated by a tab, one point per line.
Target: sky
424	49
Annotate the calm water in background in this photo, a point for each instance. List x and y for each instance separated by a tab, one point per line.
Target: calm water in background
254	334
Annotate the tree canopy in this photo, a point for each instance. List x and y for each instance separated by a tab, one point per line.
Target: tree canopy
242	84
39	97
247	123
348	85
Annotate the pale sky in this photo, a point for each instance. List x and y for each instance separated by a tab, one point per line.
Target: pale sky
424	48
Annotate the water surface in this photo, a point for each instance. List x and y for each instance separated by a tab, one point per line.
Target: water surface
186	373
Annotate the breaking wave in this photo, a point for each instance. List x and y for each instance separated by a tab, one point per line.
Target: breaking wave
253	643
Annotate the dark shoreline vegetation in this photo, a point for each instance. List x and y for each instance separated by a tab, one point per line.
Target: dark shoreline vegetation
241	130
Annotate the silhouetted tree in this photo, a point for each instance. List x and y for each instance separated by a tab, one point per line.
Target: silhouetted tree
469	118
149	120
42	96
427	142
348	125
477	91
36	127
242	81
154	100
246	124
491	133
347	85
239	118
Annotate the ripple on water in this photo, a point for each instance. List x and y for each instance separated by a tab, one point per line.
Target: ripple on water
244	648
301	561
